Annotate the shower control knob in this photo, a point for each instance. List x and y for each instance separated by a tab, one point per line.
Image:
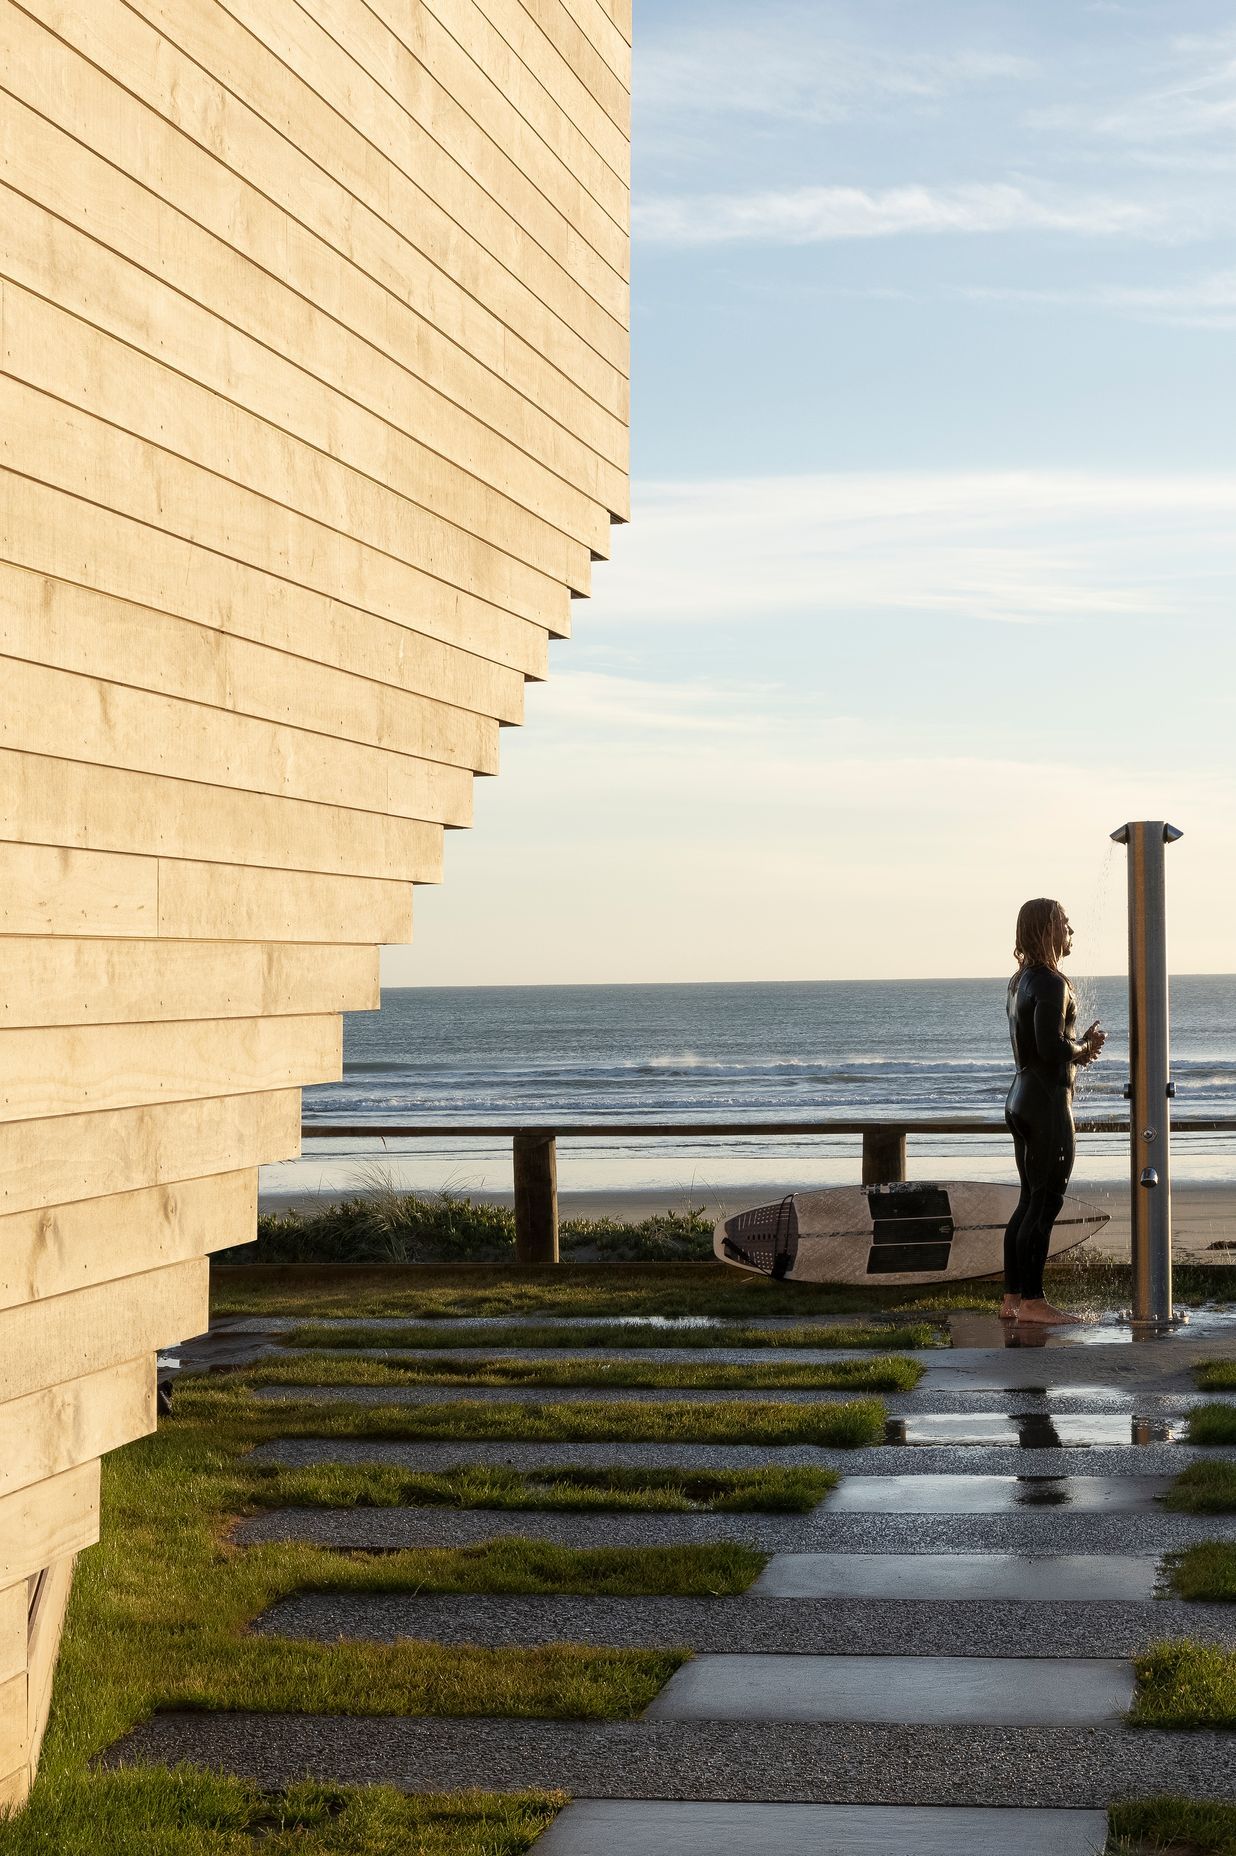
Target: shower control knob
1149	1176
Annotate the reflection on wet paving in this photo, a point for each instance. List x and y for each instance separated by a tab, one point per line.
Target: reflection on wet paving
979	1330
1033	1430
993	1494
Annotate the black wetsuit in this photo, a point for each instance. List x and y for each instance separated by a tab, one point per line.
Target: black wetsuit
1039	1112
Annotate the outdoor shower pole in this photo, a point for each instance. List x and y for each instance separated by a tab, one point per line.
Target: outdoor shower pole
1150	1087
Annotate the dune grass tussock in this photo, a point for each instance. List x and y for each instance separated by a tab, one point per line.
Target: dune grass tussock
1203	1488
1212	1424
888	1336
341	1369
1185	1685
1206	1572
646	1491
850	1425
153	1812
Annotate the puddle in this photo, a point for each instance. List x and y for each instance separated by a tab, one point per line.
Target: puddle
994	1494
971	1330
1033	1430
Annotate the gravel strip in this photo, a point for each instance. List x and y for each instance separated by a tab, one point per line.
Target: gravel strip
386	1530
683	1759
1161	1460
804	1626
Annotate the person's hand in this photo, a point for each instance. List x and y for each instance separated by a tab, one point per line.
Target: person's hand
1094	1038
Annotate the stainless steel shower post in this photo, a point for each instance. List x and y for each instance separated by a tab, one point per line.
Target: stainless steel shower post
1150	1086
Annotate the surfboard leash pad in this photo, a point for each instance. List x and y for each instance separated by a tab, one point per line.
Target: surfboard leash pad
765	1239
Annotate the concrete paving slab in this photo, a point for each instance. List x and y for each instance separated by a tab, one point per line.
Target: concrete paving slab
846	1763
597	1827
1076	1578
1034	1430
902	1690
979	1494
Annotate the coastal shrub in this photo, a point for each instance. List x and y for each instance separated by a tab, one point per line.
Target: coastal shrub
381	1225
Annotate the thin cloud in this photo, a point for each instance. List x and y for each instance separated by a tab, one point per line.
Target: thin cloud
1189	100
1207	302
800	68
1008	547
815	215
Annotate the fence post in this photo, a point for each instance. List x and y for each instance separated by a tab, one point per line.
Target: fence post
884	1156
536	1197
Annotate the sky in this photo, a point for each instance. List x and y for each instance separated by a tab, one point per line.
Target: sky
929	579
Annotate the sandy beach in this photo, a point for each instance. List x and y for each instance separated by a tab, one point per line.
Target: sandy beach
1204	1216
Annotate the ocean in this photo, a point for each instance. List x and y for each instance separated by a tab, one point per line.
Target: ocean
711	1052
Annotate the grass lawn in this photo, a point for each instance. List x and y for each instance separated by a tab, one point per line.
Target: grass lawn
1185	1685
1212	1424
1203	1488
423	1292
1206	1571
877	1374
159	1619
847	1426
1185	1826
646	1491
910	1335
1216	1375
187	1813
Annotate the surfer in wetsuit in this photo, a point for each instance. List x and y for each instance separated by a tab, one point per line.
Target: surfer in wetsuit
1042	1013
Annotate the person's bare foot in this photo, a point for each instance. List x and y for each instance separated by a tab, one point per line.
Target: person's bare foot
1042	1311
1010	1308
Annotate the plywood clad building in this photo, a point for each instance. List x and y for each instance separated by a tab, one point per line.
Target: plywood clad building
313	370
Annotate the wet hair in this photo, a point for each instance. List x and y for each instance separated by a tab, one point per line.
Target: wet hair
1038	923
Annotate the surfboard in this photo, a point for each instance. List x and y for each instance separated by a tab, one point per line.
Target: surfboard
907	1233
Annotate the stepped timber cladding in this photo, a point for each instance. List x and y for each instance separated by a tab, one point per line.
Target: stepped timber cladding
314	331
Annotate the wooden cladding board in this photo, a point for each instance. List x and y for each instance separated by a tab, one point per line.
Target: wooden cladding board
313	422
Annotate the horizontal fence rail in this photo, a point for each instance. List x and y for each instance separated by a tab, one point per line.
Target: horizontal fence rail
576	1130
535	1161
